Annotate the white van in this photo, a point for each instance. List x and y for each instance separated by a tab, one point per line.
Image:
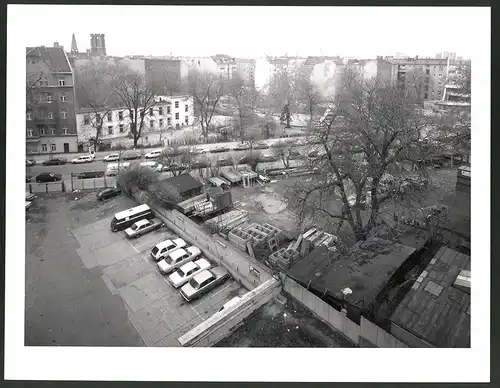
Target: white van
113	168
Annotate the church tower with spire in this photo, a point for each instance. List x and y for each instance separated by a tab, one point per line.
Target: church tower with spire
74	47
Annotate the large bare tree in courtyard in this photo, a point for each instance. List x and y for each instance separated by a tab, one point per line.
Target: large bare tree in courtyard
207	90
369	129
137	98
244	99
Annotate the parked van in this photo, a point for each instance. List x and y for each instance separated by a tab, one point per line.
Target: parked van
126	218
113	168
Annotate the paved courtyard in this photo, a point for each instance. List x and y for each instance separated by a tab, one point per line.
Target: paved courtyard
123	277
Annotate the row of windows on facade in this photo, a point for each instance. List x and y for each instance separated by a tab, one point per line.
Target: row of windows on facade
52	147
152	124
48	98
44	82
41	131
50	115
109	115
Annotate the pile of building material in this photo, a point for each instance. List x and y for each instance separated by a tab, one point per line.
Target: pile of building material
313	238
284	258
227	221
259	240
190	204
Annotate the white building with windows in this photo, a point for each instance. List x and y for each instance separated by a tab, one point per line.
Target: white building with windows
169	114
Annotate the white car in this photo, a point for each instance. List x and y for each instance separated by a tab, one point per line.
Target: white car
166	247
142	227
178	258
153	165
199	151
188	271
83	159
153	154
112	158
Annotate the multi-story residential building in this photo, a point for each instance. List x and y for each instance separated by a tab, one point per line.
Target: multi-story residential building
166	76
226	65
422	77
266	67
455	99
50	110
169	113
447	54
245	68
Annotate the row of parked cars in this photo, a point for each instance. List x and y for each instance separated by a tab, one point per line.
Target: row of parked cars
185	267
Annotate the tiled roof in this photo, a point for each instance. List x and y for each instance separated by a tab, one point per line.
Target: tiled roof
183	183
434	309
55	57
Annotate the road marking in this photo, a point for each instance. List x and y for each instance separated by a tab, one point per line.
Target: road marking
132	245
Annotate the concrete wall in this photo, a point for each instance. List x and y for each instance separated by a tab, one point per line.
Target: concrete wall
221	324
366	334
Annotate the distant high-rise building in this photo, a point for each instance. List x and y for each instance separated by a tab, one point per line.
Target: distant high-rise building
446	54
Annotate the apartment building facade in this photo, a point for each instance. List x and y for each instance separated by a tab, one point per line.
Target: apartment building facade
425	78
50	110
169	113
245	68
166	76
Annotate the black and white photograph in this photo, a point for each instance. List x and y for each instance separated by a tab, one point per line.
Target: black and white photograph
266	186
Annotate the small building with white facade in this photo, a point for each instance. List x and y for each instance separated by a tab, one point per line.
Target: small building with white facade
169	114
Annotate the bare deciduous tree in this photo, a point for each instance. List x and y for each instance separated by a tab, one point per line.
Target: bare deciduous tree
307	92
244	99
207	90
178	159
368	130
286	152
137	98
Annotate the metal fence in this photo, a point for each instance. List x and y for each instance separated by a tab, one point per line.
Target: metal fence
49	187
92	183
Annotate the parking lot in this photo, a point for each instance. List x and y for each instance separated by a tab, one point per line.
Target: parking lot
153	307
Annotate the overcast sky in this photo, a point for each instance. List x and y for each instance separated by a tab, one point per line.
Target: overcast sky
362	32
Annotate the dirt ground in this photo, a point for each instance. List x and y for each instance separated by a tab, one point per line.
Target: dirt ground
264	204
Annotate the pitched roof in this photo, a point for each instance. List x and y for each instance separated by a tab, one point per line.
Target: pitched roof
55	57
434	309
183	183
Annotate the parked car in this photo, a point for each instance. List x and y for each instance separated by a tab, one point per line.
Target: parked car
113	169
313	154
171	167
90	174
28	204
48	177
83	159
54	161
30	196
132	155
161	250
242	147
268	158
112	158
153	154
30	162
204	282
153	165
142	227
199	151
260	146
224	162
195	165
108	193
263	179
178	258
295	155
188	271
219	149
28	178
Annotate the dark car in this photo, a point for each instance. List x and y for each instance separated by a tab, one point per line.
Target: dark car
313	154
48	177
268	158
30	162
224	162
54	161
28	178
90	174
131	155
219	149
295	155
108	193
199	165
